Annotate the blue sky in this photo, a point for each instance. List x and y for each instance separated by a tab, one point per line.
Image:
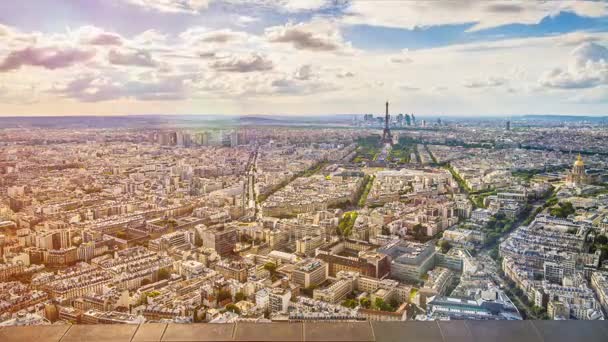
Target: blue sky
389	38
64	57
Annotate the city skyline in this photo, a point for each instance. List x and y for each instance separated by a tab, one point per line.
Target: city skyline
303	57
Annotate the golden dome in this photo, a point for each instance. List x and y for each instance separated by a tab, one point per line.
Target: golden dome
579	161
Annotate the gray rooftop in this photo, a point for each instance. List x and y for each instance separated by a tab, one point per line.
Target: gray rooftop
431	331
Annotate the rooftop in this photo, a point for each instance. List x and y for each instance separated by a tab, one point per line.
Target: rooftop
430	331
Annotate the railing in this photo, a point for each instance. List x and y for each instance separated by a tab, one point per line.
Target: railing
432	331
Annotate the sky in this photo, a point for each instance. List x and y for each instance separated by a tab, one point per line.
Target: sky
299	57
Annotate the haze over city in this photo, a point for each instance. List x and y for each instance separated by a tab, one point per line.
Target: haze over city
292	57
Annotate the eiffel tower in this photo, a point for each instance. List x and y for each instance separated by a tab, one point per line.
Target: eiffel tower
387	137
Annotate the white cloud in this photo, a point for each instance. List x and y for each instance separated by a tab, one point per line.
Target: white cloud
233	68
587	68
489	82
196	6
92	35
402	58
316	35
244	20
345	74
150	39
203	36
301	5
291	86
589	96
172	6
484	14
406	87
49	57
245	63
98	88
139	58
287	6
304	73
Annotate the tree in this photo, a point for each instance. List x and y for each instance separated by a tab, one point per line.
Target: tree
494	253
563	210
365	302
350	303
233	308
223	294
239	296
445	246
518	292
145	282
309	290
163	274
152	294
604	252
270	267
380	304
418	230
345	226
601	239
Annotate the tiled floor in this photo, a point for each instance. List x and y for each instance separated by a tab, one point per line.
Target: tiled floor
452	331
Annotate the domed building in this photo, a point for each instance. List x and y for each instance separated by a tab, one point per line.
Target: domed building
578	175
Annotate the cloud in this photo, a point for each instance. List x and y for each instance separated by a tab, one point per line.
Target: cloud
131	58
248	63
91	89
222	36
576	38
345	74
105	39
590	53
489	82
207	54
591	96
314	36
19	93
565	79
97	88
304	73
150	38
505	8
301	5
288	6
402	58
587	68
92	35
482	14
4	30
244	20
214	40
438	89
290	86
172	6
407	87
45	57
